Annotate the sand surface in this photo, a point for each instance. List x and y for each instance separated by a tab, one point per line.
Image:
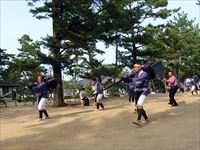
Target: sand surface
77	127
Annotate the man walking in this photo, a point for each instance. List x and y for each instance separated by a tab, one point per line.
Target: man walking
141	82
173	87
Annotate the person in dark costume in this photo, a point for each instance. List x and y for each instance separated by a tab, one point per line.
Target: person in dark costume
41	91
140	81
98	91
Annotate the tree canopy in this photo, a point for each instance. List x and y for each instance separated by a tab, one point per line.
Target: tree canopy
128	25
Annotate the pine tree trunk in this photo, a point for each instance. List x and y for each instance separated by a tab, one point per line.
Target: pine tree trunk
57	70
58	92
179	70
116	66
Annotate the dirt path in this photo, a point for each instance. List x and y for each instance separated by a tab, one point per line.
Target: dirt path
172	128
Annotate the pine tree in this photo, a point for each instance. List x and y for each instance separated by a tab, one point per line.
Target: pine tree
76	27
4	62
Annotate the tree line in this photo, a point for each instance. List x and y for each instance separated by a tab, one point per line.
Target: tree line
134	27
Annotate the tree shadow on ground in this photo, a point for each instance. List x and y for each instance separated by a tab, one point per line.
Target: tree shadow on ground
87	130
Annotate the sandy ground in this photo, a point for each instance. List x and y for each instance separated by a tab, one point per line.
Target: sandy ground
77	127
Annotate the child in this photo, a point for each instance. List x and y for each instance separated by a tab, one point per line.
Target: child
84	97
98	90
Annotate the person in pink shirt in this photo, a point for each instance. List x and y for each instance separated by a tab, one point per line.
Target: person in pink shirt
173	87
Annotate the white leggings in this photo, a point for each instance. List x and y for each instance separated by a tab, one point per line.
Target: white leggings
99	98
142	98
42	104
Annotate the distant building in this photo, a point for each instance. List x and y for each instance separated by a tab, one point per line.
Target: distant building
7	87
68	93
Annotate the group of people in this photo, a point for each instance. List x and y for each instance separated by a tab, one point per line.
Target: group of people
139	87
98	94
40	89
139	90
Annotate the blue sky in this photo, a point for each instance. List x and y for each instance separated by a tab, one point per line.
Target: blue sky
15	20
